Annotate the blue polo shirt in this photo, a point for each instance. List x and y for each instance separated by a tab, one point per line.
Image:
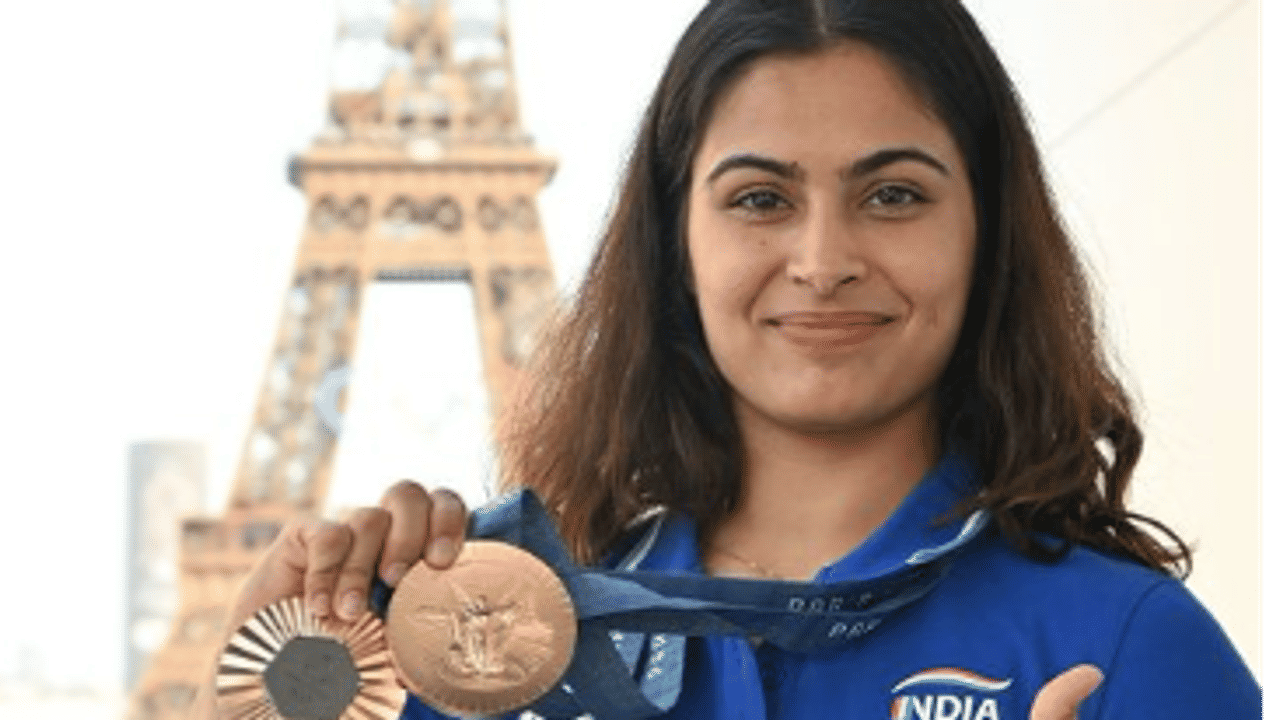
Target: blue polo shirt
978	647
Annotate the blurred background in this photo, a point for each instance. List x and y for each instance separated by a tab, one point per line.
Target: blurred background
152	234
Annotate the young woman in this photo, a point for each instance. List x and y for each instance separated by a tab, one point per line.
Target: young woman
835	313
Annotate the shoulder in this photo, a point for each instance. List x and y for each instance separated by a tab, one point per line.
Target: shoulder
1087	595
1109	597
1174	660
1083	577
1046	616
1161	652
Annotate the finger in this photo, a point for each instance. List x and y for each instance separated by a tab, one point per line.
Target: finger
368	531
327	545
448	528
1060	698
409	508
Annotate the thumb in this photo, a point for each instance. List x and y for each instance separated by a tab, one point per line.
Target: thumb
1060	698
277	574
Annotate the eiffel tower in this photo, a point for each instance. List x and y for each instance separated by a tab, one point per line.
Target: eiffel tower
427	177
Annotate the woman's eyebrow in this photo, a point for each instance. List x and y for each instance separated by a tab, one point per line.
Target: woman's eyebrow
863	166
790	171
889	156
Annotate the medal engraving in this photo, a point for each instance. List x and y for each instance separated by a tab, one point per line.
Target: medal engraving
492	645
490	634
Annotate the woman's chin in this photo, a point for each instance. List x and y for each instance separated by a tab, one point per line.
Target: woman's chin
820	418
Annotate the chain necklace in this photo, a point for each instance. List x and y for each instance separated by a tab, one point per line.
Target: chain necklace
752	565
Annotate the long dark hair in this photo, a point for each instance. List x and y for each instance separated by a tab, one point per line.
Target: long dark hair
625	410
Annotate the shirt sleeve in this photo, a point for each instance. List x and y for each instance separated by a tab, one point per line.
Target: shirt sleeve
1174	662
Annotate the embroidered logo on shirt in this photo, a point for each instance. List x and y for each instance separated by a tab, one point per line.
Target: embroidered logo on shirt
947	693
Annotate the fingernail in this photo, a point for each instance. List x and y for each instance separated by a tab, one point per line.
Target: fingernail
320	604
441	552
352	604
395	573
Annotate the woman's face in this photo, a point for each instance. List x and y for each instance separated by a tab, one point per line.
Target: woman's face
831	233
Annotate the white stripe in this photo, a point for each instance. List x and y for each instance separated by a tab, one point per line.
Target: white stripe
952	677
641	550
976	522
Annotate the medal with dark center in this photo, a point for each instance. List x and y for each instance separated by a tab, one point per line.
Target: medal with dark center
490	634
286	663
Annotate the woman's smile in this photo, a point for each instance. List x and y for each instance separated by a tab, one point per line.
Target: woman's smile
828	331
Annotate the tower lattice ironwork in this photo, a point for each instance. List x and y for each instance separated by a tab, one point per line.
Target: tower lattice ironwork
427	176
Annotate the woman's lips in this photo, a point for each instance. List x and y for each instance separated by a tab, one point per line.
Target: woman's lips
829	330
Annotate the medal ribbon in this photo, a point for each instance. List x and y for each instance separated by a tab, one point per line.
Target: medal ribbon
626	616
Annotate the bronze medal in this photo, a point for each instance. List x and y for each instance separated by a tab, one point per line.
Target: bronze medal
286	663
492	633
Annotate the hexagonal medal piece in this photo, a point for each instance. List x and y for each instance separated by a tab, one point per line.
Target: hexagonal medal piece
312	678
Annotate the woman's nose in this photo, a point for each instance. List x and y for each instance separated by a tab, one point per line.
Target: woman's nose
827	252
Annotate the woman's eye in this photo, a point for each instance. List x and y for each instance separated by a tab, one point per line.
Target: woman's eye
895	197
759	201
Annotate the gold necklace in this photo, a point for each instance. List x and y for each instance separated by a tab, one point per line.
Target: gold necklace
752	565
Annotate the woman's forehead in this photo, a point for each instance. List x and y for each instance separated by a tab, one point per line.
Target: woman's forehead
846	99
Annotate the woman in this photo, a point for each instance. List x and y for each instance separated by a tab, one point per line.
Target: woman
834	314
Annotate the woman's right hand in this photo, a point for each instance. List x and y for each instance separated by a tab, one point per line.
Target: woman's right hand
332	564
